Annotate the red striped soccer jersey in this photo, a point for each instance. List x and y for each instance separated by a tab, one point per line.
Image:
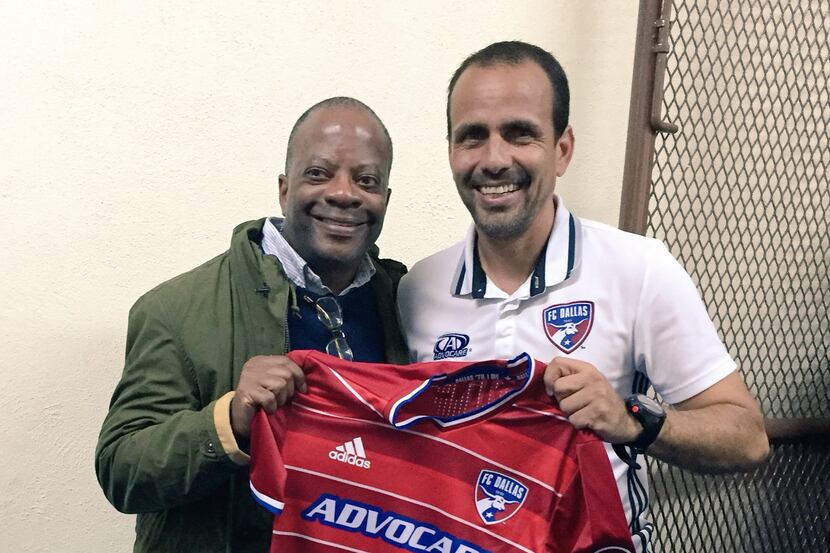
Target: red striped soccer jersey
448	457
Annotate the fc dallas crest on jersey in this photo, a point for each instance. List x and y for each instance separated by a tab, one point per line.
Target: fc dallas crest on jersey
568	324
498	497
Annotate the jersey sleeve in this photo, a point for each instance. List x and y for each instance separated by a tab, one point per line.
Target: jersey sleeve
268	473
590	517
676	344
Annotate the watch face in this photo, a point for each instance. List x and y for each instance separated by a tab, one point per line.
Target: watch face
648	404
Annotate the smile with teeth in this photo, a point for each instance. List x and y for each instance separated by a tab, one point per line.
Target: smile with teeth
498	188
338	222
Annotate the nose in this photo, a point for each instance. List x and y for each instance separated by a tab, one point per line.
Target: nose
496	158
341	191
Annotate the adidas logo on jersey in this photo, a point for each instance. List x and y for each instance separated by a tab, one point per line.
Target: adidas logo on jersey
352	453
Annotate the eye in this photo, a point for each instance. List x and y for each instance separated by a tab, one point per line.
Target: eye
316	174
470	135
368	181
472	141
519	135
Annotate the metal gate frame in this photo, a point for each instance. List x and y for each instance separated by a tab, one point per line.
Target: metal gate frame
645	121
784	505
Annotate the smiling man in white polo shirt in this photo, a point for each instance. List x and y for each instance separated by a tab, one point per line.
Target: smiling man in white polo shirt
612	312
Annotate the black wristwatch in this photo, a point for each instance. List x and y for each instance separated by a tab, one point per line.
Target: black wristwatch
651	417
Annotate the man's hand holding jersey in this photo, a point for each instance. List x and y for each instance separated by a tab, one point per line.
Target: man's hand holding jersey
717	430
266	381
588	400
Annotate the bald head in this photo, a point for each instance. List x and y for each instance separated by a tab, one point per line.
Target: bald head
337	102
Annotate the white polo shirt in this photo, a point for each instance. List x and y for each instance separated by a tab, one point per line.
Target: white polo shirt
617	300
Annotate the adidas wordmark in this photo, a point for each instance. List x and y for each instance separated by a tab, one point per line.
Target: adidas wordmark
351	452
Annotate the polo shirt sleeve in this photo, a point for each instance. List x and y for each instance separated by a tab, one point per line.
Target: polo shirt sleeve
675	342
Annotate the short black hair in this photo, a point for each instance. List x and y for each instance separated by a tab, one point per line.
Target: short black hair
344	101
515	52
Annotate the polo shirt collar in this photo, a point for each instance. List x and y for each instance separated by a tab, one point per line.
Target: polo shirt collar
554	266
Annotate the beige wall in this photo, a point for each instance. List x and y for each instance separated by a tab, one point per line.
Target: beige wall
136	134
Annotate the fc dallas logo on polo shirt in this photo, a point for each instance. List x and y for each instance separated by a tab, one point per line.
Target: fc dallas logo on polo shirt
568	324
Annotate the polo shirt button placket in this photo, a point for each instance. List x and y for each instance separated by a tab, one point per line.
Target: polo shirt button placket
506	330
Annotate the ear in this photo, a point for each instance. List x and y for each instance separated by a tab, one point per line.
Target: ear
388	195
283	191
565	150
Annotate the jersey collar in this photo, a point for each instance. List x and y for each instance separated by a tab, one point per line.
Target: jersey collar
554	266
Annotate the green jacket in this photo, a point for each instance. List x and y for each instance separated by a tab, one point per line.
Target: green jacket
164	450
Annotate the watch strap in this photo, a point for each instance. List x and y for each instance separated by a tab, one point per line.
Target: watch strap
651	423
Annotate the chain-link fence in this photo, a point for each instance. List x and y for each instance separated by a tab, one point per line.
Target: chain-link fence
741	194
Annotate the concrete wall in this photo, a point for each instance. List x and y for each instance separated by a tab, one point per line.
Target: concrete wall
135	135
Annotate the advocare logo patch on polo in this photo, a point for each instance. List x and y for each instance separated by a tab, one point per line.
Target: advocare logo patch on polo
568	324
450	345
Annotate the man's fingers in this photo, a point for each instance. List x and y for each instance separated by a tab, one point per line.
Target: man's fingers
284	394
298	377
577	373
553	372
569	365
260	369
266	399
596	406
584	410
574	402
268	382
288	370
283	388
571	384
581	419
560	370
287	383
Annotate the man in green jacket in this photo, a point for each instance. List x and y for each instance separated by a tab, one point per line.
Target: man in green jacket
205	349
